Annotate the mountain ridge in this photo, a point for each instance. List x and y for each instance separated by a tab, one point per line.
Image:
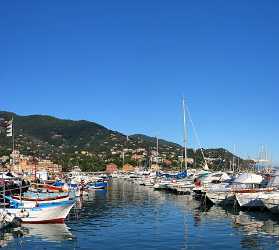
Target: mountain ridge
86	143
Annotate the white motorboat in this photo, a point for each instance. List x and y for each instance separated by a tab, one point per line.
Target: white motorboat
271	201
260	197
225	193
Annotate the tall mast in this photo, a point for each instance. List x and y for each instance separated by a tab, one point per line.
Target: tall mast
233	160
185	134
123	158
13	140
157	148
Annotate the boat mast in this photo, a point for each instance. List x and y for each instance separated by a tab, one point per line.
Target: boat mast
185	134
13	141
123	158
157	149
233	159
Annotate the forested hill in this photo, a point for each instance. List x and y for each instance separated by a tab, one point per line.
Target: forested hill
87	143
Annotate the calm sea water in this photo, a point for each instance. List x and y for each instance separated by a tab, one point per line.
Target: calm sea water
135	217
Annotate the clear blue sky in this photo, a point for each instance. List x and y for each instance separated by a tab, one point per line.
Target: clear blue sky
126	64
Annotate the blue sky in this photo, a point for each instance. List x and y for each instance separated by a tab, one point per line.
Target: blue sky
126	64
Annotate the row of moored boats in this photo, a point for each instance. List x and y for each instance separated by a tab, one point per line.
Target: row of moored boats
246	190
45	202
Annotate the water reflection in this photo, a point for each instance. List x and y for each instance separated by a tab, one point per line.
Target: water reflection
130	216
48	232
8	235
257	229
38	232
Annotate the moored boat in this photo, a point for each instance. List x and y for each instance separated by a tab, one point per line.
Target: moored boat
35	199
99	184
251	198
256	197
271	202
43	213
226	193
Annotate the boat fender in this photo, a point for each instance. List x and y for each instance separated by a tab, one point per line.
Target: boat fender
23	214
3	216
9	217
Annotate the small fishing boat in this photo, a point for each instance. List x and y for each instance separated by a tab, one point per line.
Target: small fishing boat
99	184
32	200
55	187
44	213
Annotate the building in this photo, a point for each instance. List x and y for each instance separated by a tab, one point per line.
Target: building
111	167
30	167
128	168
155	168
137	157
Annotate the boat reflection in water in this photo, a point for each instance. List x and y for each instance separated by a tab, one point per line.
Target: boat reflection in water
253	223
55	233
48	232
131	216
9	235
256	222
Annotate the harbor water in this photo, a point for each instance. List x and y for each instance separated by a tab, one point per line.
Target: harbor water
129	216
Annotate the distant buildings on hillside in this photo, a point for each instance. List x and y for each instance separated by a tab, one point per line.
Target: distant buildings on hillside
29	165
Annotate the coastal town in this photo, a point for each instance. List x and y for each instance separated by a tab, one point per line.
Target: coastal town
57	175
30	182
139	125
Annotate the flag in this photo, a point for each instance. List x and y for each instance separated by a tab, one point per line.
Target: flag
9	128
2	123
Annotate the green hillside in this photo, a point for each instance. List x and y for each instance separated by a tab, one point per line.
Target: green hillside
91	145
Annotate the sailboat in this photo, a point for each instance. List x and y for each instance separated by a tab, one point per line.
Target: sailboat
178	183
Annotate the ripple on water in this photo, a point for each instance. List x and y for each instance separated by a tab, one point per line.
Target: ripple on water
135	217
